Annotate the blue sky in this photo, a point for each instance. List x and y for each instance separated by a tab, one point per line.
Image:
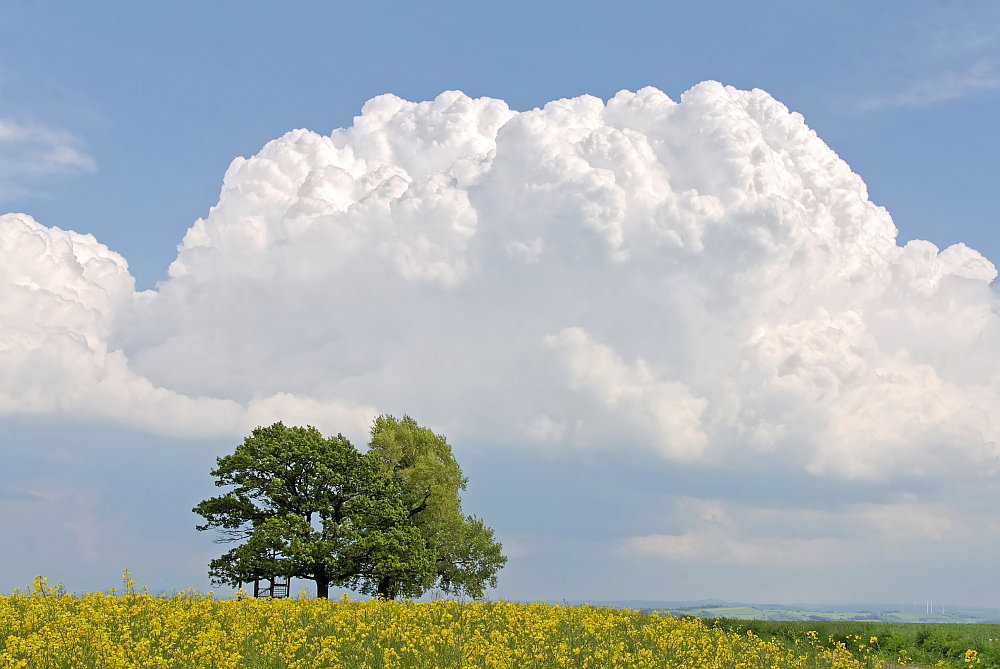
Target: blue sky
121	120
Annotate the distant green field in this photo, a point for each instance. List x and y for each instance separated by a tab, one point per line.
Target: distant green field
736	612
917	644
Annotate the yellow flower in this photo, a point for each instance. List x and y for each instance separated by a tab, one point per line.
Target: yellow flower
46	627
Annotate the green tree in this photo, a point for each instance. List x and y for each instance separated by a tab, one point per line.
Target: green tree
310	507
466	555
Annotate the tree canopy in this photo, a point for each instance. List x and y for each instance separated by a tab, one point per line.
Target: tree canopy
388	521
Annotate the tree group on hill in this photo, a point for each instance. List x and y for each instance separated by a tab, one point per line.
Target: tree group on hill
386	522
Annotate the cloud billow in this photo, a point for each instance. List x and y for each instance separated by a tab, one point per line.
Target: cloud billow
702	280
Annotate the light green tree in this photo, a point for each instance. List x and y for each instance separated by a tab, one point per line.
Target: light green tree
465	553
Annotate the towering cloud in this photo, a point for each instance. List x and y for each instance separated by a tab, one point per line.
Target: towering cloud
65	303
702	280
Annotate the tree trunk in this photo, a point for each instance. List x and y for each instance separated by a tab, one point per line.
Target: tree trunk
322	587
385	589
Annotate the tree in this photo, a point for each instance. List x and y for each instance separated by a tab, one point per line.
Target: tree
309	507
386	522
466	555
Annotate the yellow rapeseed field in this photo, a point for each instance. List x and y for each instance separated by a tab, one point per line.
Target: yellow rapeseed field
42	627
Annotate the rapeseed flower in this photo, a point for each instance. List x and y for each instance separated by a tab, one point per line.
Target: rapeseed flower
45	627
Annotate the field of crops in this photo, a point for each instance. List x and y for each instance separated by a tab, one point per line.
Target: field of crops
913	644
42	627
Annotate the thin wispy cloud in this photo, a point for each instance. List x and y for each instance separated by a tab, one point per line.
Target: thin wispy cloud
32	151
944	87
967	38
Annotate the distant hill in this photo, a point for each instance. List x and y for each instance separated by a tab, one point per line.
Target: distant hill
891	613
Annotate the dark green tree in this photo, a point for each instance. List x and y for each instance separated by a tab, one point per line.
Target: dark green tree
466	555
310	507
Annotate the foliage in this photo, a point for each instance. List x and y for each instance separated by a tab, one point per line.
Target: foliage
465	552
42	628
311	507
386	522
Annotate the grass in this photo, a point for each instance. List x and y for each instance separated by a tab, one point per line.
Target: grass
917	644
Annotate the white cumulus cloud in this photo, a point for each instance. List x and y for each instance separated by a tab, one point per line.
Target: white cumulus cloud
64	300
666	410
702	279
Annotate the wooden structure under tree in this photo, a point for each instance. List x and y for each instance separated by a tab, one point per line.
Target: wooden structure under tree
275	587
